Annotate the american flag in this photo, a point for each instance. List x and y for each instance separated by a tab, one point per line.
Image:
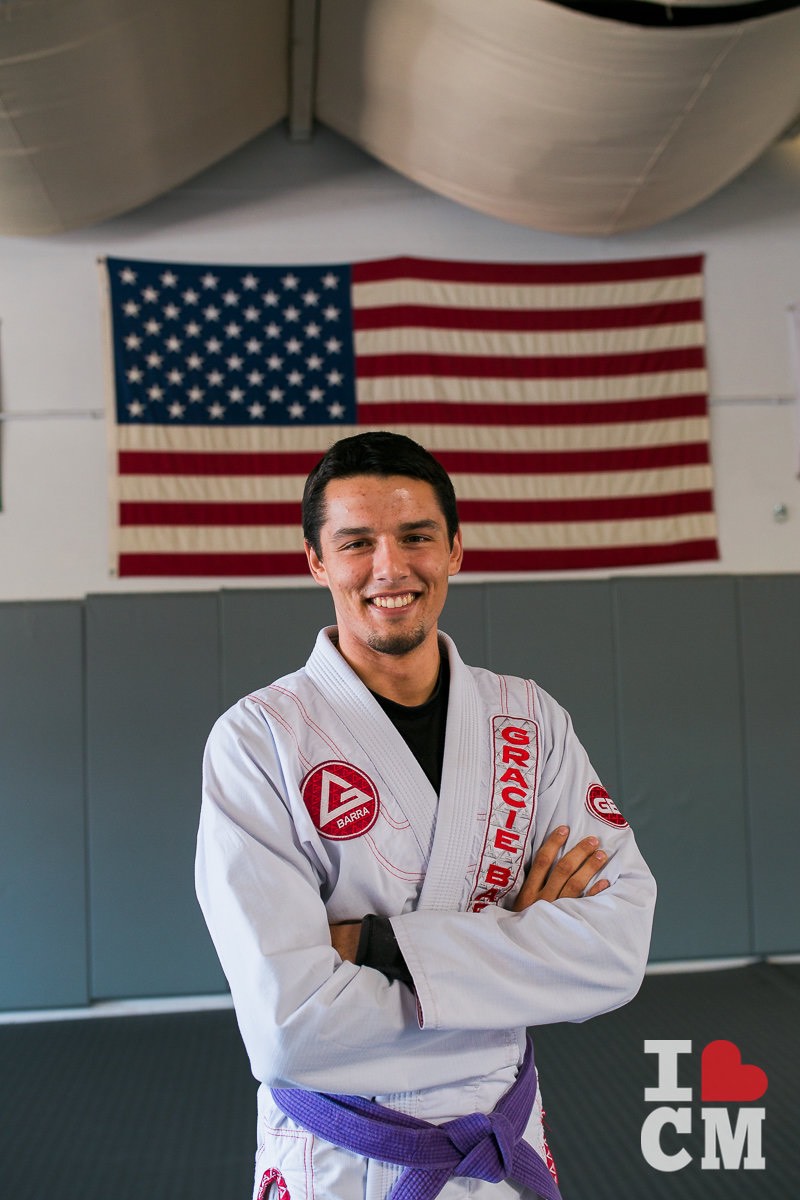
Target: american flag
569	403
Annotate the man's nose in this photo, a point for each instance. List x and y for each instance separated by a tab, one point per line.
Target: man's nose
389	560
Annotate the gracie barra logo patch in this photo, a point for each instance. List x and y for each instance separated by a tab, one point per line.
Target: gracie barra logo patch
342	801
515	746
600	805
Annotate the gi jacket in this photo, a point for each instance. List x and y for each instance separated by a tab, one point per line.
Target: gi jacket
315	812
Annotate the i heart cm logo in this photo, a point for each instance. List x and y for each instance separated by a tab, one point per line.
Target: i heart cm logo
726	1078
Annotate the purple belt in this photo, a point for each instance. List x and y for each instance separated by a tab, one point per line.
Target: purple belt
478	1146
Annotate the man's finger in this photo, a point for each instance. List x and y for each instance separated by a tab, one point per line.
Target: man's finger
540	867
560	877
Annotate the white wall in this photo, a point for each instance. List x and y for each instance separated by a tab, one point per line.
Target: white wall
276	202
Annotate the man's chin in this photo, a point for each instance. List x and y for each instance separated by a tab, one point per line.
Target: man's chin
397	643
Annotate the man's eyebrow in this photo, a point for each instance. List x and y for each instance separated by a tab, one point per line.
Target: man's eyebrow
352	531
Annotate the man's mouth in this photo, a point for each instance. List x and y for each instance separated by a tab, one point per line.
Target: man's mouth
393	601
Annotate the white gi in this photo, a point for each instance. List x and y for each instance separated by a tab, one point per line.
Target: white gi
315	811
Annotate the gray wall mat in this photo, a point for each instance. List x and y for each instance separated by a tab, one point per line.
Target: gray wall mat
682	763
560	635
686	700
152	695
43	945
770	619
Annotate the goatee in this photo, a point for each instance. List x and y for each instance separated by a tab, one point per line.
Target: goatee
397	643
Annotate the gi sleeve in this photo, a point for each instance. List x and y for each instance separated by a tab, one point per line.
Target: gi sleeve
562	961
307	1018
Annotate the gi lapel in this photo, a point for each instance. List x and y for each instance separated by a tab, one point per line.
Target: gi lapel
384	748
462	792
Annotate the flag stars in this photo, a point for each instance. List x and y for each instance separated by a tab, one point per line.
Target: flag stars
296	410
152	326
251	313
215	378
155	392
135	375
136	408
149	295
171	311
256	410
127	275
192	329
209	280
333	345
274	362
211	313
195	394
250	282
176	409
312	329
331	313
175	376
291	313
173	343
330	280
216	411
233	330
293	346
255	378
310	298
213	345
154	359
236	395
190	296
275	395
334	377
169	279
133	341
235	362
315	394
131	308
295	378
336	410
314	362
272	330
253	346
194	362
231	298
290	282
270	298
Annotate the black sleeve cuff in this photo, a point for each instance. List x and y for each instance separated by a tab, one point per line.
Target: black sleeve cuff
378	948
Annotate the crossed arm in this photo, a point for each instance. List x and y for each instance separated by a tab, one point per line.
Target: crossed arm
546	880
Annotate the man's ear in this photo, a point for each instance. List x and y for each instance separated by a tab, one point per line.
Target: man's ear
316	565
456	554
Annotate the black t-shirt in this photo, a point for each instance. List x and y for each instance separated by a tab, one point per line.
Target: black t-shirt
423	728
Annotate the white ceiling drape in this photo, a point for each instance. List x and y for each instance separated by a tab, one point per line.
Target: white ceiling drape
523	109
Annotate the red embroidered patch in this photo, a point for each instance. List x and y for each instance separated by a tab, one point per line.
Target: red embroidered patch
268	1178
342	801
600	805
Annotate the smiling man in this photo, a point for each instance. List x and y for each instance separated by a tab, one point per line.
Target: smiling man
404	862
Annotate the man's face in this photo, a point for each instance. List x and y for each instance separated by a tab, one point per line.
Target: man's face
386	558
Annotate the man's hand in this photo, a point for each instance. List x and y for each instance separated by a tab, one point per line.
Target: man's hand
344	939
568	877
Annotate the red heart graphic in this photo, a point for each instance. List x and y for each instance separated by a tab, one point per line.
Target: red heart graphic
725	1077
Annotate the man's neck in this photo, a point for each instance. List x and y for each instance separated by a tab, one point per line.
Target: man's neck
407	679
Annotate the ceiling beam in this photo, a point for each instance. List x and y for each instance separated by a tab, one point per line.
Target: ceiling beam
303	35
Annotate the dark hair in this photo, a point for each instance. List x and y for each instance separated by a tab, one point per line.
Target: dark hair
381	454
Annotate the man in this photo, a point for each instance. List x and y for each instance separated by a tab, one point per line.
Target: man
399	861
